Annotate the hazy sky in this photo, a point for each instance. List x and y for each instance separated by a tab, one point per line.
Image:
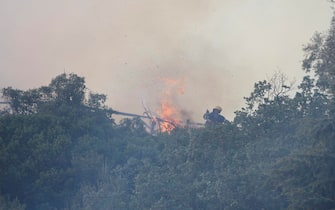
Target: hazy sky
215	49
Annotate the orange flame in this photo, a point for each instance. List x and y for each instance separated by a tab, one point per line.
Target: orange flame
169	111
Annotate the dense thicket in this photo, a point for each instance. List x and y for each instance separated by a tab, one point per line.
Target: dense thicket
61	149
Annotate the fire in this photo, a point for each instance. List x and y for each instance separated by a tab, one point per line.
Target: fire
169	116
168	111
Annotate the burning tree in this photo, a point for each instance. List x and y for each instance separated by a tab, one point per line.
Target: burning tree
169	113
169	109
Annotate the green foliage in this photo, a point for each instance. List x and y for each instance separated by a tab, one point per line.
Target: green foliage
96	100
69	154
310	101
63	90
67	89
62	151
47	138
319	58
6	204
24	102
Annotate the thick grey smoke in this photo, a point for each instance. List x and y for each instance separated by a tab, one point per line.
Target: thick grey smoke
125	48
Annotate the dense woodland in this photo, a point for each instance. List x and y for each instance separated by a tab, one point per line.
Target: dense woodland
61	149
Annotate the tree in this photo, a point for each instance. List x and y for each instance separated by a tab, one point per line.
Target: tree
96	100
51	137
68	89
64	89
320	58
268	106
310	101
306	178
21	102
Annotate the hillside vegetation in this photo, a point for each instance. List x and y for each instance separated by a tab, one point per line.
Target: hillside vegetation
61	149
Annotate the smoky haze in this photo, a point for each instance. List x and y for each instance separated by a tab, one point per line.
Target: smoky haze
124	49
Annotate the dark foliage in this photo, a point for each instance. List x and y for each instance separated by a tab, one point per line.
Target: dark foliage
63	151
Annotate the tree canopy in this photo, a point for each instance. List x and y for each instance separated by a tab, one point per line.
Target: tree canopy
62	150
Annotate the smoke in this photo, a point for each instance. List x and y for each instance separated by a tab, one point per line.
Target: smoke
125	48
153	41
